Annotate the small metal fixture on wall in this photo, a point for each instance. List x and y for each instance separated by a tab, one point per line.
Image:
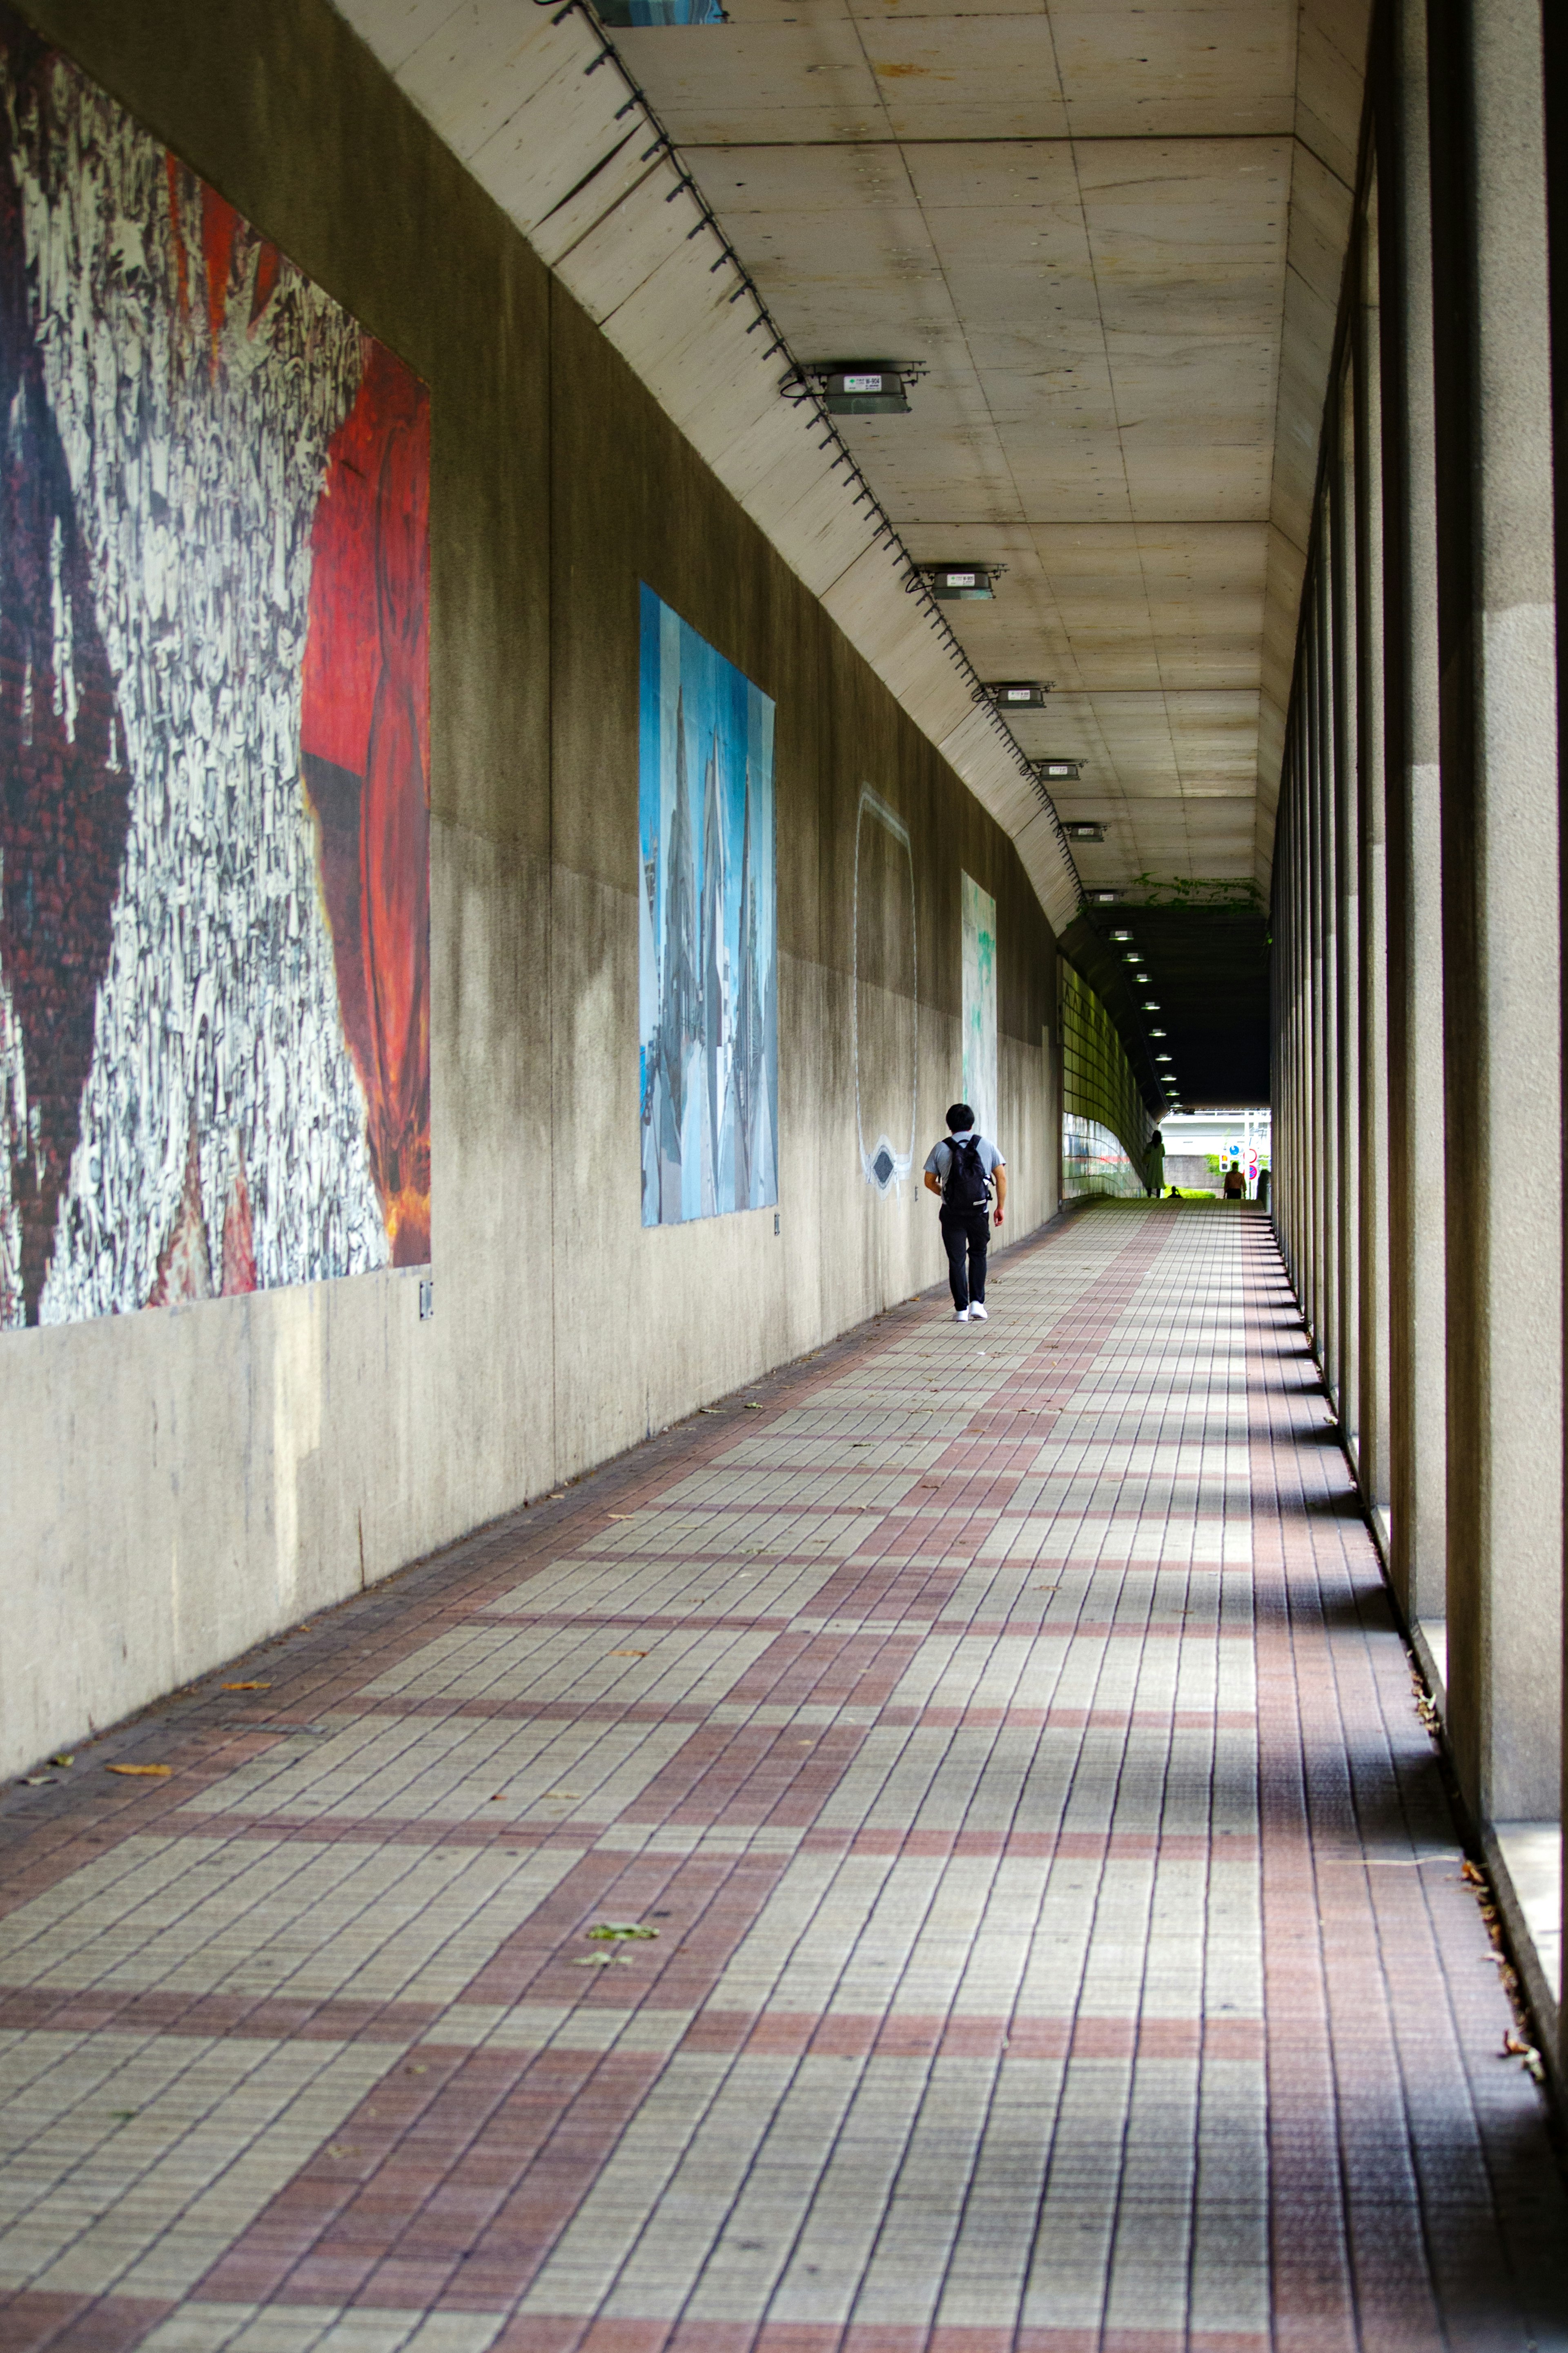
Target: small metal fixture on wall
1018	693
1083	829
1056	771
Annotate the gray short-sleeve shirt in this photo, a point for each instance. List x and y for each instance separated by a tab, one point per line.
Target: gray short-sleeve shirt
937	1159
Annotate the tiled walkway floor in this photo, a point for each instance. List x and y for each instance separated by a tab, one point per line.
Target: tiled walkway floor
1050	1925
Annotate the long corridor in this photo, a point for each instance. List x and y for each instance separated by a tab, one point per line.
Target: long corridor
941	1849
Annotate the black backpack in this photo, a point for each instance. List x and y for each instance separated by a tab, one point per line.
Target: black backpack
967	1186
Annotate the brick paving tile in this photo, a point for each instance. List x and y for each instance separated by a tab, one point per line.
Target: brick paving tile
1053	1935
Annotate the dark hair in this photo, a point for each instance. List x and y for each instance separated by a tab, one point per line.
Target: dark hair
959	1117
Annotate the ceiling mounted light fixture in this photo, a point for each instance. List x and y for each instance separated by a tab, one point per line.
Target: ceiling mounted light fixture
1083	830
1123	935
1149	1006
963	584
1101	898
660	12
1056	771
1018	694
1157	1033
863	388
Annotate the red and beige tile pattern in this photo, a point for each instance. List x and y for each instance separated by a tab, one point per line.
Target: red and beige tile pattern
1058	1937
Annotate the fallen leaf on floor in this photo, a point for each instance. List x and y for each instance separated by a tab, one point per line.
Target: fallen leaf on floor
1475	1878
37	1780
417	2071
1529	2057
621	1515
244	1687
500	1797
598	1960
753	1408
710	1408
157	1772
606	1933
341	2149
124	2116
567	1797
558	1497
66	1758
628	1654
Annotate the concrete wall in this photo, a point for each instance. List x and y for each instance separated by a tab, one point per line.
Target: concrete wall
179	1483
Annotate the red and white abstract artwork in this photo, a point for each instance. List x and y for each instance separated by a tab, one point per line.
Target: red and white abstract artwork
215	1038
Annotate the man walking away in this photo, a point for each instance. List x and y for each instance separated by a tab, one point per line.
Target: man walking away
960	1170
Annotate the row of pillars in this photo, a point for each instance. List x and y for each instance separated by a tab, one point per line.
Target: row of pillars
1418	972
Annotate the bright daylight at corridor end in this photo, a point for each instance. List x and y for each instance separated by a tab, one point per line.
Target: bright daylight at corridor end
781	1143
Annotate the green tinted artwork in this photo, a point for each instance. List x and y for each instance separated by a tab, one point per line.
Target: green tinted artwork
979	923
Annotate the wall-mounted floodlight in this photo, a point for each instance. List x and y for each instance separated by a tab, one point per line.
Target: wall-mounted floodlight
1018	694
1083	830
1056	771
1123	935
1162	1058
1149	1006
1157	1033
963	584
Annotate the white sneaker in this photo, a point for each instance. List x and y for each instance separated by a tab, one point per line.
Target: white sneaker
961	1314
977	1313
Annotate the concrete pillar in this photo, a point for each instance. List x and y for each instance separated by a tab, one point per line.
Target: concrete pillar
1345	787
1554	29
1417	1313
1372	1042
1325	992
1319	1138
1501	921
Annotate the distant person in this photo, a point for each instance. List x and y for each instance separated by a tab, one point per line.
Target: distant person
959	1171
1235	1184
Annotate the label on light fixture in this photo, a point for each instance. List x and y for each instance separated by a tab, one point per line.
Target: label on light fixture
959	579
862	384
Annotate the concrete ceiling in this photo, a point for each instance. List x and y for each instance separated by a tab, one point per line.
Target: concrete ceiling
1113	236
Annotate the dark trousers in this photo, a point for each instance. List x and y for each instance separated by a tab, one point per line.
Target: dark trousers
967	1236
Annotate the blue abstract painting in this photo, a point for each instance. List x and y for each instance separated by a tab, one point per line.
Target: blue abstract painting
708	937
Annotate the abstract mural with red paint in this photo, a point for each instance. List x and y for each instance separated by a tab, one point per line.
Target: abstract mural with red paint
214	967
